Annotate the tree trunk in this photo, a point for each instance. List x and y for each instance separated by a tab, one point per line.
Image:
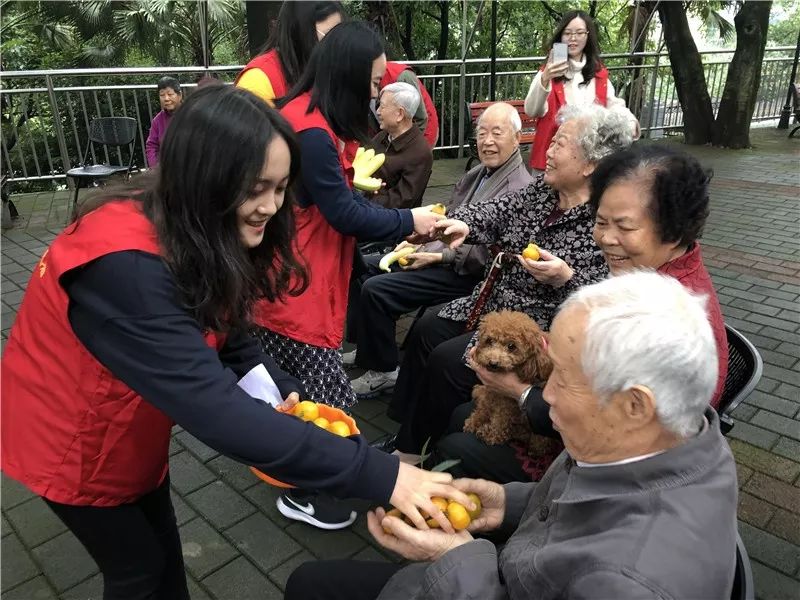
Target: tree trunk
732	127
444	32
261	18
637	30
687	70
408	31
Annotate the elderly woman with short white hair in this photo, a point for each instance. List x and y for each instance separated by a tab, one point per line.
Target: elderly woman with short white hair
642	504
551	212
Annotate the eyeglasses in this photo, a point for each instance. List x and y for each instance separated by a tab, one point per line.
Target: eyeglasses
574	34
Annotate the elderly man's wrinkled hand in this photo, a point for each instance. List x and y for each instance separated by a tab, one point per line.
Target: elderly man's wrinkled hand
493	503
411	543
549	269
420	260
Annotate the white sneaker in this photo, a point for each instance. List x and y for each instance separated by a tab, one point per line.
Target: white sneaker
349	358
373	383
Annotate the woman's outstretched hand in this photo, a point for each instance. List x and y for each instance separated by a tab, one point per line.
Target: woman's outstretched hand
413	492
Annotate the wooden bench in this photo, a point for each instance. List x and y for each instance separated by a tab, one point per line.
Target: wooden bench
475	109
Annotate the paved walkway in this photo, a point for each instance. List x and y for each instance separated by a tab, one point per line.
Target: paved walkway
238	547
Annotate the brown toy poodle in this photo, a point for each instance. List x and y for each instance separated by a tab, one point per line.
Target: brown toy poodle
509	341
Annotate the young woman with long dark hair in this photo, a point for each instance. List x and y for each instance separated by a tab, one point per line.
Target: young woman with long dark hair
136	318
300	26
580	79
328	108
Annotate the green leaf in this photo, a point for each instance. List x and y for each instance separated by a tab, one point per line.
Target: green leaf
446	464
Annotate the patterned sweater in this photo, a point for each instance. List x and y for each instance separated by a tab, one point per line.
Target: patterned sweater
513	220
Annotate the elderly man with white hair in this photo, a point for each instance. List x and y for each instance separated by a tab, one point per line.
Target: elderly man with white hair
642	503
409	159
436	273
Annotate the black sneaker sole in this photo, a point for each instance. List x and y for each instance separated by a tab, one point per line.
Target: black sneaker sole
298	515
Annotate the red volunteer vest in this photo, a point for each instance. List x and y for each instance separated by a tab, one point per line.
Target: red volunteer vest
271	65
546	126
431	133
71	431
316	316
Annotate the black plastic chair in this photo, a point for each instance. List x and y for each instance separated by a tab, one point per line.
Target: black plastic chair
796	93
744	372
113	132
743	585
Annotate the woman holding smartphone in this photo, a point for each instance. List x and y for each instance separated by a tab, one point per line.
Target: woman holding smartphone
572	75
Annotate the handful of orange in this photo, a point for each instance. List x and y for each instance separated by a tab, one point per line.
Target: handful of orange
458	514
332	419
531	252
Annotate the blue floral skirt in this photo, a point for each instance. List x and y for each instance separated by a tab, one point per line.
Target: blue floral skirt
319	369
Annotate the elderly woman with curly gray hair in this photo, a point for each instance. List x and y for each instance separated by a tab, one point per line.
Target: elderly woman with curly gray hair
650	204
552	212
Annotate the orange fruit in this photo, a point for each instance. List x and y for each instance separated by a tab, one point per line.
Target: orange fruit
394	512
458	516
307	410
440	502
473	514
339	428
433	523
531	252
322	422
439	209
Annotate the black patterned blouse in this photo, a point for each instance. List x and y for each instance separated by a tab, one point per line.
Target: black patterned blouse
513	220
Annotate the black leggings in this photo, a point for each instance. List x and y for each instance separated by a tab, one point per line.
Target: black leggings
136	545
339	580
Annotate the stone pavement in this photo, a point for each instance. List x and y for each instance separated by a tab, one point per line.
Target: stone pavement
237	546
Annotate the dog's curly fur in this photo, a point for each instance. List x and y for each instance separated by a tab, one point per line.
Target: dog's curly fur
509	341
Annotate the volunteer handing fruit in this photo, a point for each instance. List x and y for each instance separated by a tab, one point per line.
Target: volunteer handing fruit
136	318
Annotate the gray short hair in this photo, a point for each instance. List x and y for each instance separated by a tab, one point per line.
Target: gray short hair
647	329
605	130
511	112
405	95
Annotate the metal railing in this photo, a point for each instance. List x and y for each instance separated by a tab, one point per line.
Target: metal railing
50	111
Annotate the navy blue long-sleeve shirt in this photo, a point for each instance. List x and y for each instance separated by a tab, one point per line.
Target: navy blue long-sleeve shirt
347	211
124	308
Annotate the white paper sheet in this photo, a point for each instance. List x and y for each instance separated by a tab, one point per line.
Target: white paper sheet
259	384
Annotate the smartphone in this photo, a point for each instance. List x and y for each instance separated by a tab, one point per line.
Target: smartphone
559	53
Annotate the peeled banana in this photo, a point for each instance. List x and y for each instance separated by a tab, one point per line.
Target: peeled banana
390	258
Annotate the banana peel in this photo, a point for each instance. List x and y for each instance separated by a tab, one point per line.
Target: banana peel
439	208
365	163
389	259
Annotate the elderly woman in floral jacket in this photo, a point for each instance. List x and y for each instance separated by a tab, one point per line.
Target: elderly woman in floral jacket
551	212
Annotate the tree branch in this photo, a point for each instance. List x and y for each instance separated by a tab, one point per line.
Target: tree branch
553	12
431	15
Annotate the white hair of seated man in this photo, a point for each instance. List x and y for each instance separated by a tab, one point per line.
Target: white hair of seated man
405	95
648	329
511	112
604	131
